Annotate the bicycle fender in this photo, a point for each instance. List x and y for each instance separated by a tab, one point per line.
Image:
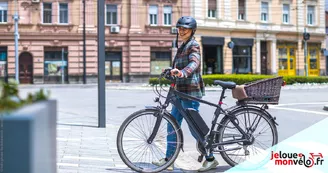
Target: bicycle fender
272	118
170	115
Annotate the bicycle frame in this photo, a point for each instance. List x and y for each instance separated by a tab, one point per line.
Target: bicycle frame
208	143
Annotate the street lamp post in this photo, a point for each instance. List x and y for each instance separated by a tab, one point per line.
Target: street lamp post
101	65
84	46
16	18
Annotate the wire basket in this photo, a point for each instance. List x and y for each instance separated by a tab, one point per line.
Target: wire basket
265	91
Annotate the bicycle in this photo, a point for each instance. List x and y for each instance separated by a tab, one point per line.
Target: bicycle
213	139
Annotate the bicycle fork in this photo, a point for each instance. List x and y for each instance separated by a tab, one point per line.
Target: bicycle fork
159	116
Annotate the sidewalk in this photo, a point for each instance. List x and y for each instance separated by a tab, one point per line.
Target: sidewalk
145	86
82	147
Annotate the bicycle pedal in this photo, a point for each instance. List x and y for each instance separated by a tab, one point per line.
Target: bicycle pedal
200	158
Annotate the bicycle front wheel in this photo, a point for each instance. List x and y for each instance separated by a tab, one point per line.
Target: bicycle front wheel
263	134
137	153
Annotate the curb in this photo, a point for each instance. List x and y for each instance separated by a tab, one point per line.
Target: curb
325	107
145	87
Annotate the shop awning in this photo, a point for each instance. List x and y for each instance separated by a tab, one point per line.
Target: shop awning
215	41
243	41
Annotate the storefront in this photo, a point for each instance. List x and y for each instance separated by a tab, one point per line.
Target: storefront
313	59
242	56
113	66
212	54
55	65
160	58
287	59
3	64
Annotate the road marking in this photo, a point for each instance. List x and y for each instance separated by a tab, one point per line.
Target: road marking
300	110
67	164
291	104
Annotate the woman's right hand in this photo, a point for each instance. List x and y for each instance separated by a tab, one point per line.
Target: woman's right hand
176	72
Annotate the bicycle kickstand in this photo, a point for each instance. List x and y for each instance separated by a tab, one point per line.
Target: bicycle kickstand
200	158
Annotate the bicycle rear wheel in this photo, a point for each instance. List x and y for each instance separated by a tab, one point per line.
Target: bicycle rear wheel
256	123
134	149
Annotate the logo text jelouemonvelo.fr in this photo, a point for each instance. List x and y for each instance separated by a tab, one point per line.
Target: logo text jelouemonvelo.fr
282	158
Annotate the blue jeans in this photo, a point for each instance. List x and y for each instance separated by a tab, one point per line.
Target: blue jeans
171	137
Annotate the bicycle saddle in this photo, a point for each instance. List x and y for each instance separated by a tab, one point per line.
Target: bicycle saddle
225	84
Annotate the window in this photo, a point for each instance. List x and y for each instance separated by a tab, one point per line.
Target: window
47	13
264	11
313	58
291	59
211	8
167	15
159	61
242	58
113	64
285	13
111	14
55	66
3	62
153	11
282	56
3	12
63	13
241	9
310	15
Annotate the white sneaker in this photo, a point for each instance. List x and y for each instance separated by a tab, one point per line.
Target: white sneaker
208	165
162	162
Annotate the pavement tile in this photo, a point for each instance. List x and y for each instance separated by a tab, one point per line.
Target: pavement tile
73	167
70	161
67	171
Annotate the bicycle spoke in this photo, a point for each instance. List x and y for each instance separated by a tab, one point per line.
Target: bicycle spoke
141	130
260	143
262	130
137	134
144	150
129	150
137	150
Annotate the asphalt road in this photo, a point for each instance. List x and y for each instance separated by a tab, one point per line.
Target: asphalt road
298	109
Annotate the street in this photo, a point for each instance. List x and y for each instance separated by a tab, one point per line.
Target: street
77	124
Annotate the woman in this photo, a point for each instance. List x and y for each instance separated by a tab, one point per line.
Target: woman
186	67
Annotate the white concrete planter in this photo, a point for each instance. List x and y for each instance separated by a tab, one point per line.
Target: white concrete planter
29	139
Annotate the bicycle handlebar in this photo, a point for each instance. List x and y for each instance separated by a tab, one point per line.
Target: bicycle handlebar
167	74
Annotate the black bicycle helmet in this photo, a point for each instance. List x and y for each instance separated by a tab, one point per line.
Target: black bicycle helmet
187	22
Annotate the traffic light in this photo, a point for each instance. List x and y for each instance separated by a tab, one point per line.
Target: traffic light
306	36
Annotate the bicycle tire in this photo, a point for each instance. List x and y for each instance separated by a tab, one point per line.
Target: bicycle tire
128	120
226	120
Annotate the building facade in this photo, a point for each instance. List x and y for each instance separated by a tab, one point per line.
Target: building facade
267	34
138	39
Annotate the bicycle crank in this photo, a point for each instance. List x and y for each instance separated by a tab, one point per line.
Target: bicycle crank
230	149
